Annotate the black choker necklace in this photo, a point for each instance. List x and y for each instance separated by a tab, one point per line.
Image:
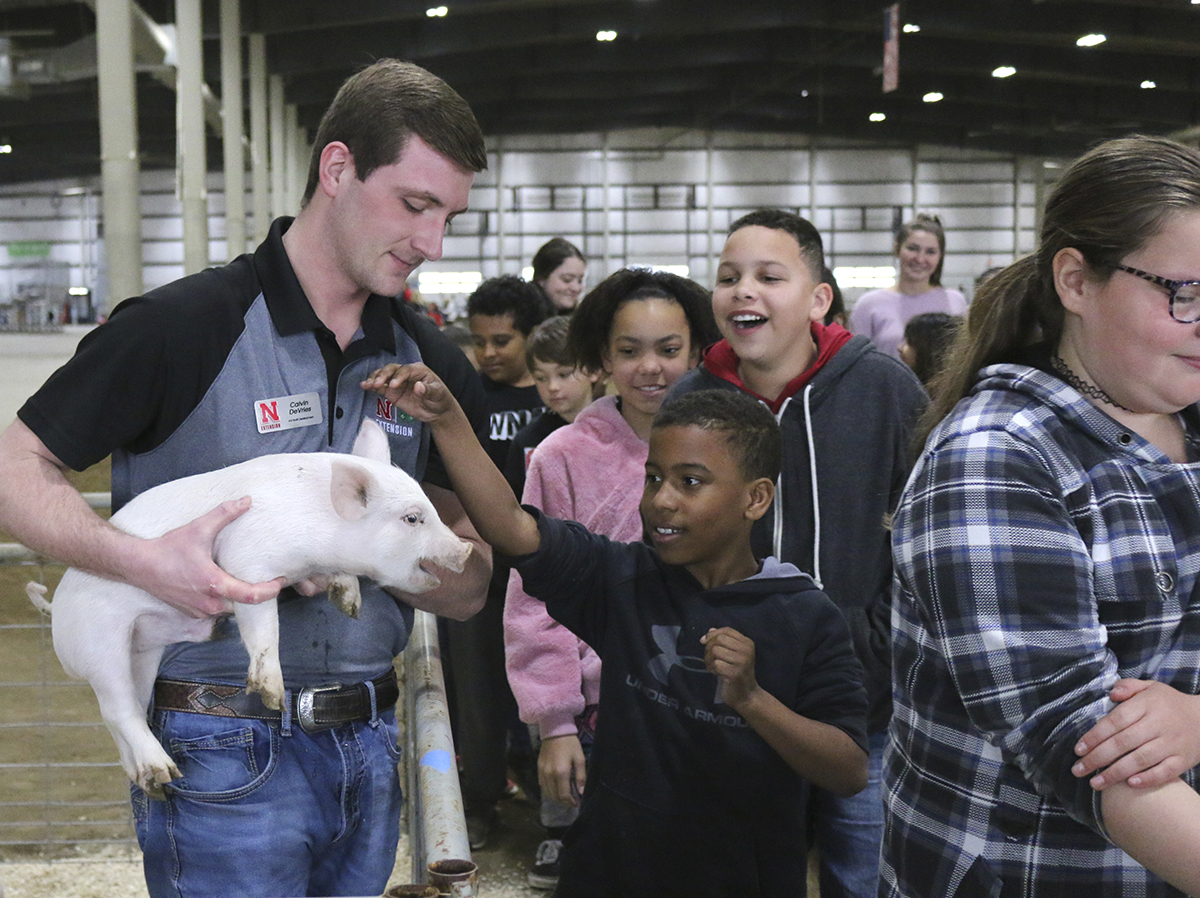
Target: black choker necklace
1092	392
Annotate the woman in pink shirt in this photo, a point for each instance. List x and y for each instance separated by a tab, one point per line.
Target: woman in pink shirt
880	315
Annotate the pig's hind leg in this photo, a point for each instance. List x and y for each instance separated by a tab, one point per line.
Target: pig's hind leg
123	695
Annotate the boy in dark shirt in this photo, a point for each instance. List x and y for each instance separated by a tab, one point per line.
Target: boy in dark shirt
702	755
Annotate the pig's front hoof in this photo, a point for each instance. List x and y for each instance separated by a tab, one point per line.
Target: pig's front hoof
152	776
344	595
266	678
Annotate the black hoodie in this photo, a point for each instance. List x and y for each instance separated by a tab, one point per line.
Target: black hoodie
856	408
682	796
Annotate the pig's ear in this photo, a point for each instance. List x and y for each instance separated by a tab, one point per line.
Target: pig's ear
372	443
350	489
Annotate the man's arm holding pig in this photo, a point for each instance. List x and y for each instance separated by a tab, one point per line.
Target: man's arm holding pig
484	493
40	507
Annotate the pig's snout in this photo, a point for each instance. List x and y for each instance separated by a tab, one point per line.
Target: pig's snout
451	554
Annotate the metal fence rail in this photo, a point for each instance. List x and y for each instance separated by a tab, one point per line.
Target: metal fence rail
58	797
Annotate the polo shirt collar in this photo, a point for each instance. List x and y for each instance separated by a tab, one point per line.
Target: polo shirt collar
290	310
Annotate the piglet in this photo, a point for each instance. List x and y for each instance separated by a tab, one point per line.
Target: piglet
327	518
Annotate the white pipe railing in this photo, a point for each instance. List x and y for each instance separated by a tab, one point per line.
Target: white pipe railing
437	826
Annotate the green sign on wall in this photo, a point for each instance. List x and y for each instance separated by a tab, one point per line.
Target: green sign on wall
29	249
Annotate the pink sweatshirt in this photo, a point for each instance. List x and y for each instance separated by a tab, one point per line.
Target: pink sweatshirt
590	471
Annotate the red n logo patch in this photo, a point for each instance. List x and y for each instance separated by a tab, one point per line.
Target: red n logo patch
268	412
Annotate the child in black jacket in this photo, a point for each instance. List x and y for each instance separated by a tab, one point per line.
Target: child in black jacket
702	754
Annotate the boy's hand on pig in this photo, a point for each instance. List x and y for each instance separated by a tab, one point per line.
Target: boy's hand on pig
1150	738
561	765
730	655
413	388
178	567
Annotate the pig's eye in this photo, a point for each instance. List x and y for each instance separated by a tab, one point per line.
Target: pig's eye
412	518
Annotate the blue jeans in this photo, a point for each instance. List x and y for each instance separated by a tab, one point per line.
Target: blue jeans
849	833
266	809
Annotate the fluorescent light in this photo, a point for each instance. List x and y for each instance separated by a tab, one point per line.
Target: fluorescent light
606	35
436	12
933	97
79	291
1090	40
911	29
1148	85
864	276
434	282
5	147
679	270
877	116
1003	71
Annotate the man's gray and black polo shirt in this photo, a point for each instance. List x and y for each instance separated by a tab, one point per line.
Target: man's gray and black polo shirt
230	364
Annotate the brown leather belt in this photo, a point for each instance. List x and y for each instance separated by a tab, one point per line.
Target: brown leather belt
314	708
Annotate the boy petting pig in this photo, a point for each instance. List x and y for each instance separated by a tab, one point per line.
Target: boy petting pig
729	682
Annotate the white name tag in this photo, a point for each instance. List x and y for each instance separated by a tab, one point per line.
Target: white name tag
286	412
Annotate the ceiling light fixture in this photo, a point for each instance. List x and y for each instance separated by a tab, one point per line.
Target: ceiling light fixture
1148	85
877	116
436	12
606	35
1090	40
911	29
1004	71
933	97
5	148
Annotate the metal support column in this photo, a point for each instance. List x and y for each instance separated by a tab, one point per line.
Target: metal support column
710	241
500	260
260	177
192	160
231	114
119	164
606	206
277	139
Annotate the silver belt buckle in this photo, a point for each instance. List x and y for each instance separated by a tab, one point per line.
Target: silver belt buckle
304	708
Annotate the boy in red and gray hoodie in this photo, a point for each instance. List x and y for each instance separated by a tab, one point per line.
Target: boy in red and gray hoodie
846	413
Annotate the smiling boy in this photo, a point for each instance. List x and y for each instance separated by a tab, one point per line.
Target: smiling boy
846	412
728	683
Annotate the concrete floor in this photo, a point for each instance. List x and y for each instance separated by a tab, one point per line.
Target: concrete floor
26	360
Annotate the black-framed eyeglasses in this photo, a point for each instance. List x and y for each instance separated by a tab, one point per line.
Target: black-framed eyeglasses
1183	296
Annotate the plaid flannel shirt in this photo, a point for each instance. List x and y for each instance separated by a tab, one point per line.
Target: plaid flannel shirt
1041	553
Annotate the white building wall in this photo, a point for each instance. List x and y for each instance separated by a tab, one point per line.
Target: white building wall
670	197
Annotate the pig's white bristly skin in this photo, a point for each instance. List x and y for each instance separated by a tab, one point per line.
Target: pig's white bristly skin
323	516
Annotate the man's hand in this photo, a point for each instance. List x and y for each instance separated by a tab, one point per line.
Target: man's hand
562	770
1150	738
178	567
412	388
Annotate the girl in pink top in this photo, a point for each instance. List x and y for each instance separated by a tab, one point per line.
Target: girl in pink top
880	315
644	330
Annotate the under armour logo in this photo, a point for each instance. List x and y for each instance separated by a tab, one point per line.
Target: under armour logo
660	666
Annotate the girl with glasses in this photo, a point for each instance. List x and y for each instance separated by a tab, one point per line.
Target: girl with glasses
1046	629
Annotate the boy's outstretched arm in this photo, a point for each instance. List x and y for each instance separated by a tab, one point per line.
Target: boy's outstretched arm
484	493
819	752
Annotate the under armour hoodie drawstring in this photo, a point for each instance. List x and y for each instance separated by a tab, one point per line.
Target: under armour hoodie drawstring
812	464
